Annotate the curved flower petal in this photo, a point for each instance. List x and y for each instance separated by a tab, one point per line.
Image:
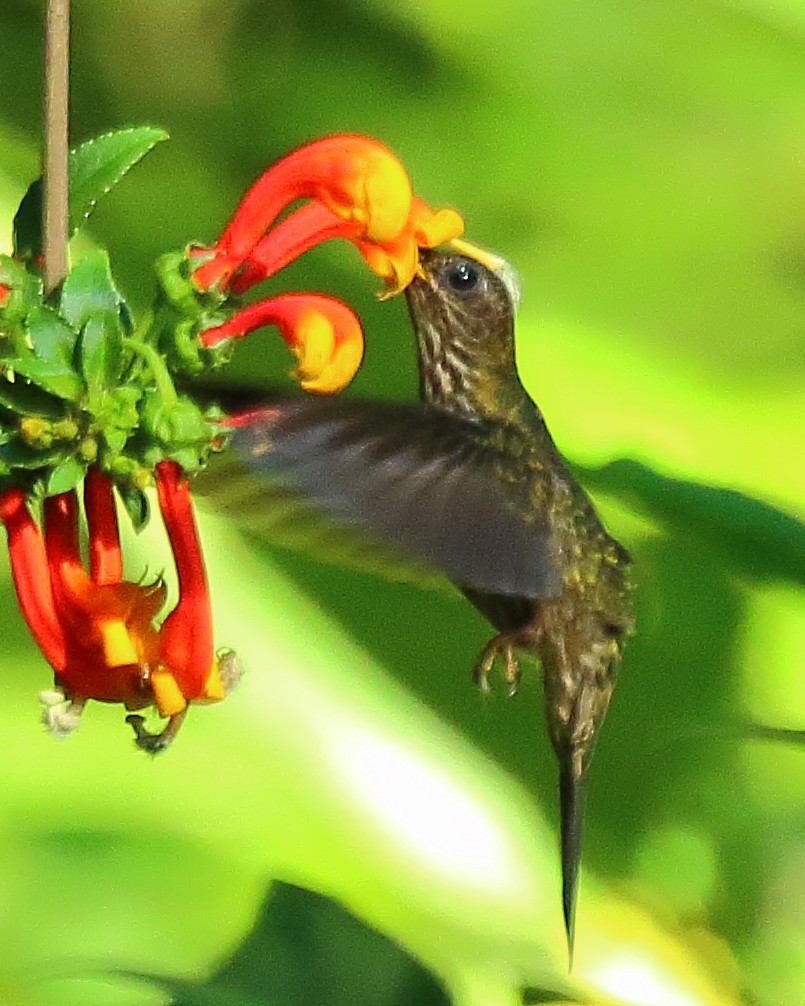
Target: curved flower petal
323	333
395	261
430	228
63	552
359	191
354	176
308	226
111	642
26	547
186	646
105	560
99	632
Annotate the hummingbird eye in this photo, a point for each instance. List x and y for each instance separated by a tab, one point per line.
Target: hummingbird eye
462	276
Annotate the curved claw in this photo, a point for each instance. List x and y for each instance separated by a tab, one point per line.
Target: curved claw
503	645
155	743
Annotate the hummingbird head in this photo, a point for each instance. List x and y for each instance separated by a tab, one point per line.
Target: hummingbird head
462	309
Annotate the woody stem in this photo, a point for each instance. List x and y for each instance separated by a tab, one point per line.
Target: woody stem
56	116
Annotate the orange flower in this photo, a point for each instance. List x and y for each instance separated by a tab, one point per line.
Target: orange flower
99	632
322	332
359	191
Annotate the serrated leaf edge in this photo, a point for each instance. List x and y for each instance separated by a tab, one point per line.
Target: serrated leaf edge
92	141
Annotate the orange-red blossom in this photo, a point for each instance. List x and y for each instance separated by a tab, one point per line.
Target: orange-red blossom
356	189
99	632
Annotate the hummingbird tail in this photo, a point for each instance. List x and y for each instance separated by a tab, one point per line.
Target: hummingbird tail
571	813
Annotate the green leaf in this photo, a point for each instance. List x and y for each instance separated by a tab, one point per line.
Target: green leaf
115	439
89	290
100	353
25	399
27	235
25	291
50	361
91	302
19	455
52	341
65	476
187	422
51	378
186	457
95	167
306	950
760	541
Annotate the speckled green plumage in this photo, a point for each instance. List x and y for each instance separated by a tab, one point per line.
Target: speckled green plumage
463	315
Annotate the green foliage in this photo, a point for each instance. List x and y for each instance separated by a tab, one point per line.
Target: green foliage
304	949
119	406
95	167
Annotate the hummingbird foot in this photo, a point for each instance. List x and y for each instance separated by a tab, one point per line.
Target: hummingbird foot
503	646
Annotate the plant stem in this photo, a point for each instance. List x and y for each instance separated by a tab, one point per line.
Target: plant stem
156	365
54	201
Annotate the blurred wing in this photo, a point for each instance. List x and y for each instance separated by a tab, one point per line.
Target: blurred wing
286	518
415	478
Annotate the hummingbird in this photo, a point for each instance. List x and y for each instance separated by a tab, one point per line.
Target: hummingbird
470	481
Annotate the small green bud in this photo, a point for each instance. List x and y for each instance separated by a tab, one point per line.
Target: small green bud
65	429
88	449
142	477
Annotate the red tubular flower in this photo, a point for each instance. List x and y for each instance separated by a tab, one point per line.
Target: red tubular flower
359	191
362	193
99	632
322	332
186	651
354	176
308	226
29	568
105	560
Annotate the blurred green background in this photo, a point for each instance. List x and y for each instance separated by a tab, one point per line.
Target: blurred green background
642	166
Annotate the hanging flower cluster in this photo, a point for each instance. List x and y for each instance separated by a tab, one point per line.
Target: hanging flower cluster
91	408
96	630
87	403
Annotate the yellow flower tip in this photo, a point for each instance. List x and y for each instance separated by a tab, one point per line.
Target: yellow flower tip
435	228
363	181
168	696
214	689
395	263
118	647
387	194
356	177
339	371
328	347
